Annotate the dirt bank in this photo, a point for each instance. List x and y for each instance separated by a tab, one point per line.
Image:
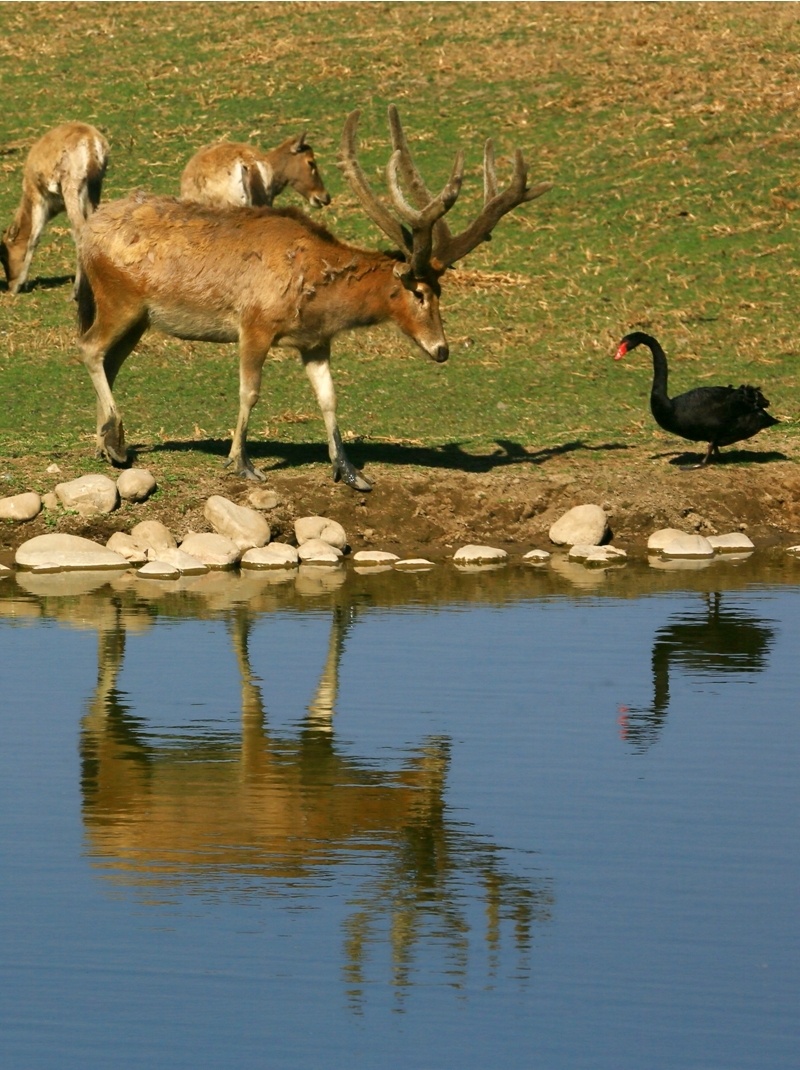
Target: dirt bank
510	503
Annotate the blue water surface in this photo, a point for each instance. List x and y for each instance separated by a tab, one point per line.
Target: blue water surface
555	832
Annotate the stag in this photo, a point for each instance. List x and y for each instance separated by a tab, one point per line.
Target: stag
64	171
230	173
266	277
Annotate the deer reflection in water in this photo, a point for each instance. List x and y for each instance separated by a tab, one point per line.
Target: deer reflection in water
709	641
265	811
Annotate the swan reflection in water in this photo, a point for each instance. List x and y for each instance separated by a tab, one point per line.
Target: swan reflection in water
711	640
259	812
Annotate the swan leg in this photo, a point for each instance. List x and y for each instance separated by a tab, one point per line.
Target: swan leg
712	451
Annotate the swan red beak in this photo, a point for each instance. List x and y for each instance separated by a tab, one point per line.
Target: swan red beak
620	353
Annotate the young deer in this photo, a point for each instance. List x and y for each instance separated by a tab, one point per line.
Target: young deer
229	173
64	171
264	277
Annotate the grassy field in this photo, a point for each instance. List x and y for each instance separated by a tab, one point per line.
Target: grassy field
670	131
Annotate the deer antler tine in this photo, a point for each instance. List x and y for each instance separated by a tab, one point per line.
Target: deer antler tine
537	190
375	209
411	176
489	172
497	203
422	221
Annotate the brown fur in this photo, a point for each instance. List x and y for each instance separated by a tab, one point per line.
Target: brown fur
64	171
229	173
258	276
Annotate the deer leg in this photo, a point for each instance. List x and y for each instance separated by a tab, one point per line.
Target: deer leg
253	348
318	369
40	214
78	207
103	358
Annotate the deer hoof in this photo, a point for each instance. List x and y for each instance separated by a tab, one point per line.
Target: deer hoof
347	474
114	450
245	470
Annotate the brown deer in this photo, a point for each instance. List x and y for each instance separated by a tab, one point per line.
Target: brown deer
229	174
266	277
64	171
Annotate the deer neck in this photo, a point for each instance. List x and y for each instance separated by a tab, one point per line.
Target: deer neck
19	232
357	288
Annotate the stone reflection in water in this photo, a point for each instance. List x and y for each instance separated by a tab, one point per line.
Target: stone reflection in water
261	812
710	640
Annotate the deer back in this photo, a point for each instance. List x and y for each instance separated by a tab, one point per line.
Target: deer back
219	175
66	159
199	272
231	173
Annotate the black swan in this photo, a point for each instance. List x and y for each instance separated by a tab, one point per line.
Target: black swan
718	415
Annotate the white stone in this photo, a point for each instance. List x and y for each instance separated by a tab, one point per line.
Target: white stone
5	572
159	570
660	538
582	524
243	526
186	564
319	552
20	506
212	549
685	545
374	558
90	495
136	484
536	557
597	555
319	527
61	552
793	549
53	469
473	554
263	498
734	542
153	536
50	500
413	564
276	555
123	544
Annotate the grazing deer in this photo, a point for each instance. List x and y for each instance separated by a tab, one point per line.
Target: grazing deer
266	277
64	171
229	174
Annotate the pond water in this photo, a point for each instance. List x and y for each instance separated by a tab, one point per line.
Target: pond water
520	818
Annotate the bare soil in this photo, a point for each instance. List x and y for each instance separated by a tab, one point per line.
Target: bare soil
503	501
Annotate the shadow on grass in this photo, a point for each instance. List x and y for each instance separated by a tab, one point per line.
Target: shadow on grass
54	282
451	455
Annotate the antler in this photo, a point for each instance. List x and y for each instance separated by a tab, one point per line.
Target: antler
447	249
416	237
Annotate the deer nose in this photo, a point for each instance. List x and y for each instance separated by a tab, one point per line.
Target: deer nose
441	353
319	200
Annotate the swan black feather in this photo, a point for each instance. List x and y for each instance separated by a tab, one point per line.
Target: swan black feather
718	415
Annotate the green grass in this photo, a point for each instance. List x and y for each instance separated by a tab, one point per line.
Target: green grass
670	131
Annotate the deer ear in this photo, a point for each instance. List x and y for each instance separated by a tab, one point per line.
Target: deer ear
300	143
